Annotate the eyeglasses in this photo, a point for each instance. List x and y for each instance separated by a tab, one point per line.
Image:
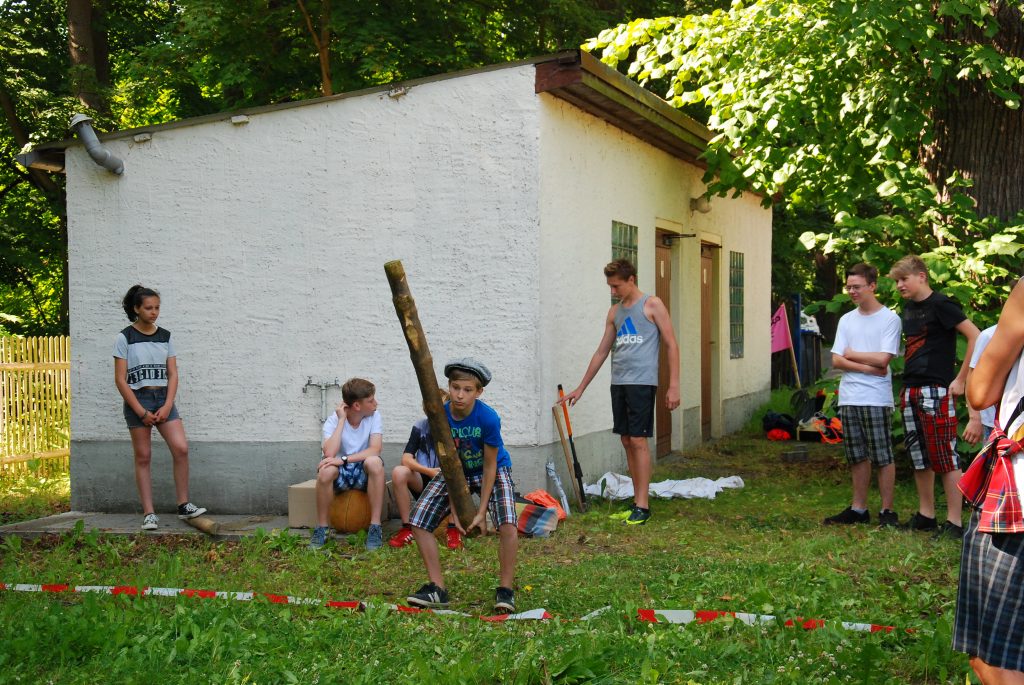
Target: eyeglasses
855	288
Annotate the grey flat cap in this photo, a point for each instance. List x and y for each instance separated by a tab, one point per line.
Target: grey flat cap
468	365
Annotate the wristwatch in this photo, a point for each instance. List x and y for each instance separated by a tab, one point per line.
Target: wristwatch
344	460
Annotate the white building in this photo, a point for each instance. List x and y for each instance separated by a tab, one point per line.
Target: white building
500	189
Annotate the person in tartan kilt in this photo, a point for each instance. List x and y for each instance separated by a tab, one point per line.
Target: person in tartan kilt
989	624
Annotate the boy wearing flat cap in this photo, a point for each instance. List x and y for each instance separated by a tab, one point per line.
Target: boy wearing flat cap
476	431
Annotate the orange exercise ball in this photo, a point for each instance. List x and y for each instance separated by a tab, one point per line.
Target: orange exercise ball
350	511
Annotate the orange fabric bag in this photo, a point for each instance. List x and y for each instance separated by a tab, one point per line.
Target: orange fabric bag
542	498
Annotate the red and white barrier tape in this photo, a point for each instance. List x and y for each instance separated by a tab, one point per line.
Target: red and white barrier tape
680	616
687	616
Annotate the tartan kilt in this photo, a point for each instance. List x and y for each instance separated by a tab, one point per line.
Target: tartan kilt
990	598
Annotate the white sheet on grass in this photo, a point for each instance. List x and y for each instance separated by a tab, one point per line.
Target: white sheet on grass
618	486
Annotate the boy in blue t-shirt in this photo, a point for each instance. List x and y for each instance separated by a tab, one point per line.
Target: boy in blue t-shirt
476	431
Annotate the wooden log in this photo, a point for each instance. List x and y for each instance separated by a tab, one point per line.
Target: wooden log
205	524
423	363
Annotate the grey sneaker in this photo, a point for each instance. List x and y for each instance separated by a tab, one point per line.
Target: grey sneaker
949	530
150	522
374	536
504	600
429	596
918	522
887	518
318	538
847	517
190	511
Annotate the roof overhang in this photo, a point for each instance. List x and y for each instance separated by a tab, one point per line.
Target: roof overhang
586	82
574	76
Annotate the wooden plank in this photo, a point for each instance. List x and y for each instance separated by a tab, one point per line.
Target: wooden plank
34	366
48	454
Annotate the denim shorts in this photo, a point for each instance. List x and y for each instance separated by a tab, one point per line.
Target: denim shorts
150	399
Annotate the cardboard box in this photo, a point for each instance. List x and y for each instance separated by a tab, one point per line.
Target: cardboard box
302	505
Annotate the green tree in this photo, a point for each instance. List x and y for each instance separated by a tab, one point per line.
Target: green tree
138	62
56	57
32	227
901	120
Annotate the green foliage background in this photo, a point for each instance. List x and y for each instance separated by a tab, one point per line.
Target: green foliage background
172	59
827	107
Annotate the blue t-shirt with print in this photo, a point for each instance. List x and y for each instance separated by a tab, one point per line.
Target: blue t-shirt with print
481	427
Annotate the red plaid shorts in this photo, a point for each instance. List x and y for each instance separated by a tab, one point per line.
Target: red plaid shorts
930	425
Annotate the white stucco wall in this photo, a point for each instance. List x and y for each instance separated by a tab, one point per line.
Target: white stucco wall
267	241
593	173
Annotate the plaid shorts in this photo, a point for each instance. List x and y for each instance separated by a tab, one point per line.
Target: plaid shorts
432	505
867	434
990	598
929	421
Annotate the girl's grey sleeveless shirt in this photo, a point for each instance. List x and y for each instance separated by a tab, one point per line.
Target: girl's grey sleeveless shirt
635	351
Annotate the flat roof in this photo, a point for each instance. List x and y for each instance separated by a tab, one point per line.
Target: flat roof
574	76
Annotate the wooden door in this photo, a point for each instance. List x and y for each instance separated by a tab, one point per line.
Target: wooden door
663	289
706	305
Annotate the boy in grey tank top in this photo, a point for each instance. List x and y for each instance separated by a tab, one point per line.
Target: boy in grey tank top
634	330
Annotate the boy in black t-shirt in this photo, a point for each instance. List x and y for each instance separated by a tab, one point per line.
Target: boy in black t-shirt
931	384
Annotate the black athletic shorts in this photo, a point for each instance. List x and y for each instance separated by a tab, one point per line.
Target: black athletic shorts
633	410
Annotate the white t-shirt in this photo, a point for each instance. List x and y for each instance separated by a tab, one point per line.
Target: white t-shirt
876	332
353	439
988	415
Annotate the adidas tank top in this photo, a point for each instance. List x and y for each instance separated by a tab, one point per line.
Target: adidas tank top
635	351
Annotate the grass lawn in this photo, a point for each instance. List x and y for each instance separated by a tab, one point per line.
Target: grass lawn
759	550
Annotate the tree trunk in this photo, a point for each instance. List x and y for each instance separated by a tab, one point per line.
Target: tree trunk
87	46
322	40
976	134
826	276
451	465
52	190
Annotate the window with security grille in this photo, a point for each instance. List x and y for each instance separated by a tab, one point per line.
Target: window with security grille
735	305
624	242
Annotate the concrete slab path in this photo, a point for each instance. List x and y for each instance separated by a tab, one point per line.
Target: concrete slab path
230	526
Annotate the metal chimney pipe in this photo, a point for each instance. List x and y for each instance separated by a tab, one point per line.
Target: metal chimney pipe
82	125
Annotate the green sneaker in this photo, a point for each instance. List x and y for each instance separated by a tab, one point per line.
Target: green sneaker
621	515
638	517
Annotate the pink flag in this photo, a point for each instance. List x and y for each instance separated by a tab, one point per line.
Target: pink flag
781	339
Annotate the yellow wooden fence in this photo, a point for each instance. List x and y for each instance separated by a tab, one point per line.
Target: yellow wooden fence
35	402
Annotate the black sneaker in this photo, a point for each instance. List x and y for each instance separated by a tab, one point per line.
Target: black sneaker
887	518
504	601
949	531
847	517
429	596
190	511
638	517
919	522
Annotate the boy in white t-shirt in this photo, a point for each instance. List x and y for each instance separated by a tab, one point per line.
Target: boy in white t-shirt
353	439
866	341
980	423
